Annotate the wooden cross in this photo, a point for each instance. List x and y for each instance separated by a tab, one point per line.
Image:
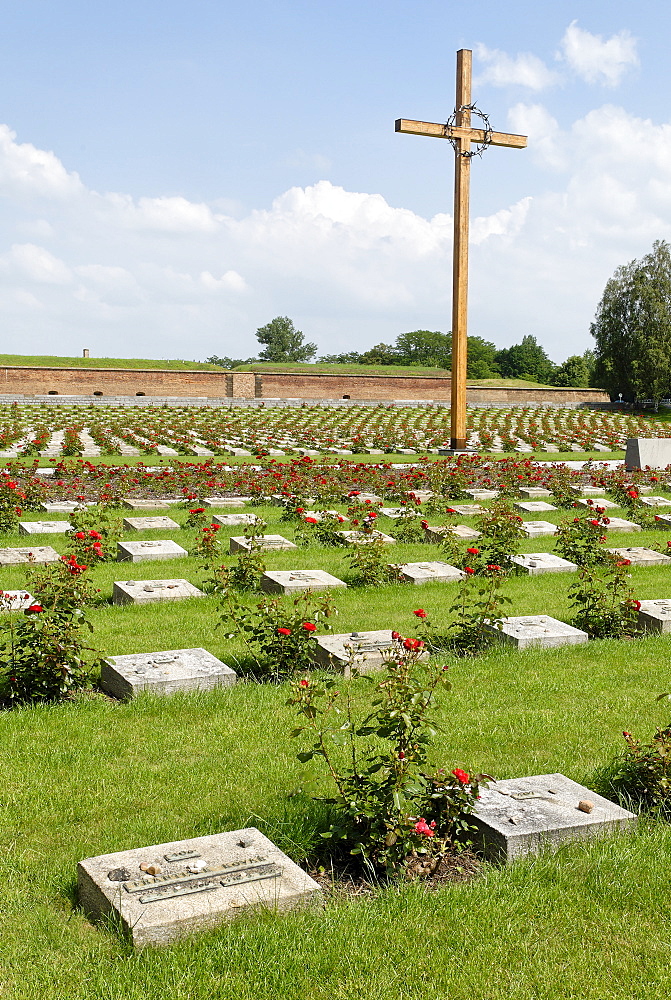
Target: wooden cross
462	136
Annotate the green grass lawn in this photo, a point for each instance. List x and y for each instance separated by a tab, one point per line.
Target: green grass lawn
96	776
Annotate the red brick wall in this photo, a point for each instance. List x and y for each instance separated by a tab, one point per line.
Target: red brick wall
112	381
307	386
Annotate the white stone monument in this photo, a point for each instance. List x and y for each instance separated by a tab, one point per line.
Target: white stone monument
164	672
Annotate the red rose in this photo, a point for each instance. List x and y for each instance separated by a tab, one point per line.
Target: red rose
473	552
80	534
396	635
468	569
284	631
412	643
34	609
94	534
305	683
462	776
310	520
420	612
309	627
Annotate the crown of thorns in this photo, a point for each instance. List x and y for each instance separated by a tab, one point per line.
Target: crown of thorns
481	146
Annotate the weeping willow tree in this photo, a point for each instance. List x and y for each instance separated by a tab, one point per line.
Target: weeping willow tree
632	328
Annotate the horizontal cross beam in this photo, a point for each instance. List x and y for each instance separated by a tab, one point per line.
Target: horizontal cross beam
454	132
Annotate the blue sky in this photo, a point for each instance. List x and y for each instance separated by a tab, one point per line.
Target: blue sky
172	176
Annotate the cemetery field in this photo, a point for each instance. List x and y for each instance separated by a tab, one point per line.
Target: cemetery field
97	775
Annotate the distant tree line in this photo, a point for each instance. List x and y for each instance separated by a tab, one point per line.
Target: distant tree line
283	343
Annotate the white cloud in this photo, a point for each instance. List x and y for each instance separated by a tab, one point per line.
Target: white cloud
26	170
596	60
167	277
522	70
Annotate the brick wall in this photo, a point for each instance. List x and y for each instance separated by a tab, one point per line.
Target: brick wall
343	386
112	381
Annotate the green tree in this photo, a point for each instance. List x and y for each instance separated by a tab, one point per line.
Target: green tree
226	362
481	359
424	347
632	328
284	342
526	360
574	371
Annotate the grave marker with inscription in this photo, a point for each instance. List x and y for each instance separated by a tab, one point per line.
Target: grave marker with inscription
295	580
525	631
536	563
149	523
164	672
640	556
522	816
231	520
238	543
536	529
145	551
427	572
44	527
41	554
369	650
201	884
362	538
151	591
655	616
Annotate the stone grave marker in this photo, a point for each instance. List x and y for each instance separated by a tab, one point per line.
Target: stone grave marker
482	494
536	563
524	631
597	502
522	816
535	529
619	524
655	616
426	572
395	512
44	527
435	534
201	883
144	551
149	523
152	591
655	502
64	506
40	553
295	580
223	502
370	650
363	497
362	538
534	506
164	672
640	556
588	491
230	520
15	600
146	504
466	509
238	543
651	453
535	492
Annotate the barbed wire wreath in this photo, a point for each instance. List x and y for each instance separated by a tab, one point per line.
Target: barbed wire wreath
486	127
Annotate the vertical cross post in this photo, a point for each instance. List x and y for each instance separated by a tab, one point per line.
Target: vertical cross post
462	179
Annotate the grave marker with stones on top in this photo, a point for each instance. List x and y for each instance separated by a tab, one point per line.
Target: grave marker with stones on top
201	883
429	572
521	816
434	533
44	527
534	506
363	538
537	563
163	548
297	580
638	555
41	554
655	616
153	591
231	520
537	529
369	650
164	672
238	543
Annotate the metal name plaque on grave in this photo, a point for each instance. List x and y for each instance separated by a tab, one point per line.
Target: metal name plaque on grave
184	883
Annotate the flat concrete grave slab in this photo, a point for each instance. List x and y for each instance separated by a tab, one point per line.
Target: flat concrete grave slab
163	548
40	553
525	631
320	514
534	492
534	506
467	509
536	563
362	538
373	498
656	502
395	512
597	502
149	523
535	529
223	502
521	816
651	453
295	580
640	556
146	504
426	572
15	600
655	616
619	524
204	882
151	591
64	506
231	520
435	534
369	649
238	543
482	494
588	491
44	527
164	672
